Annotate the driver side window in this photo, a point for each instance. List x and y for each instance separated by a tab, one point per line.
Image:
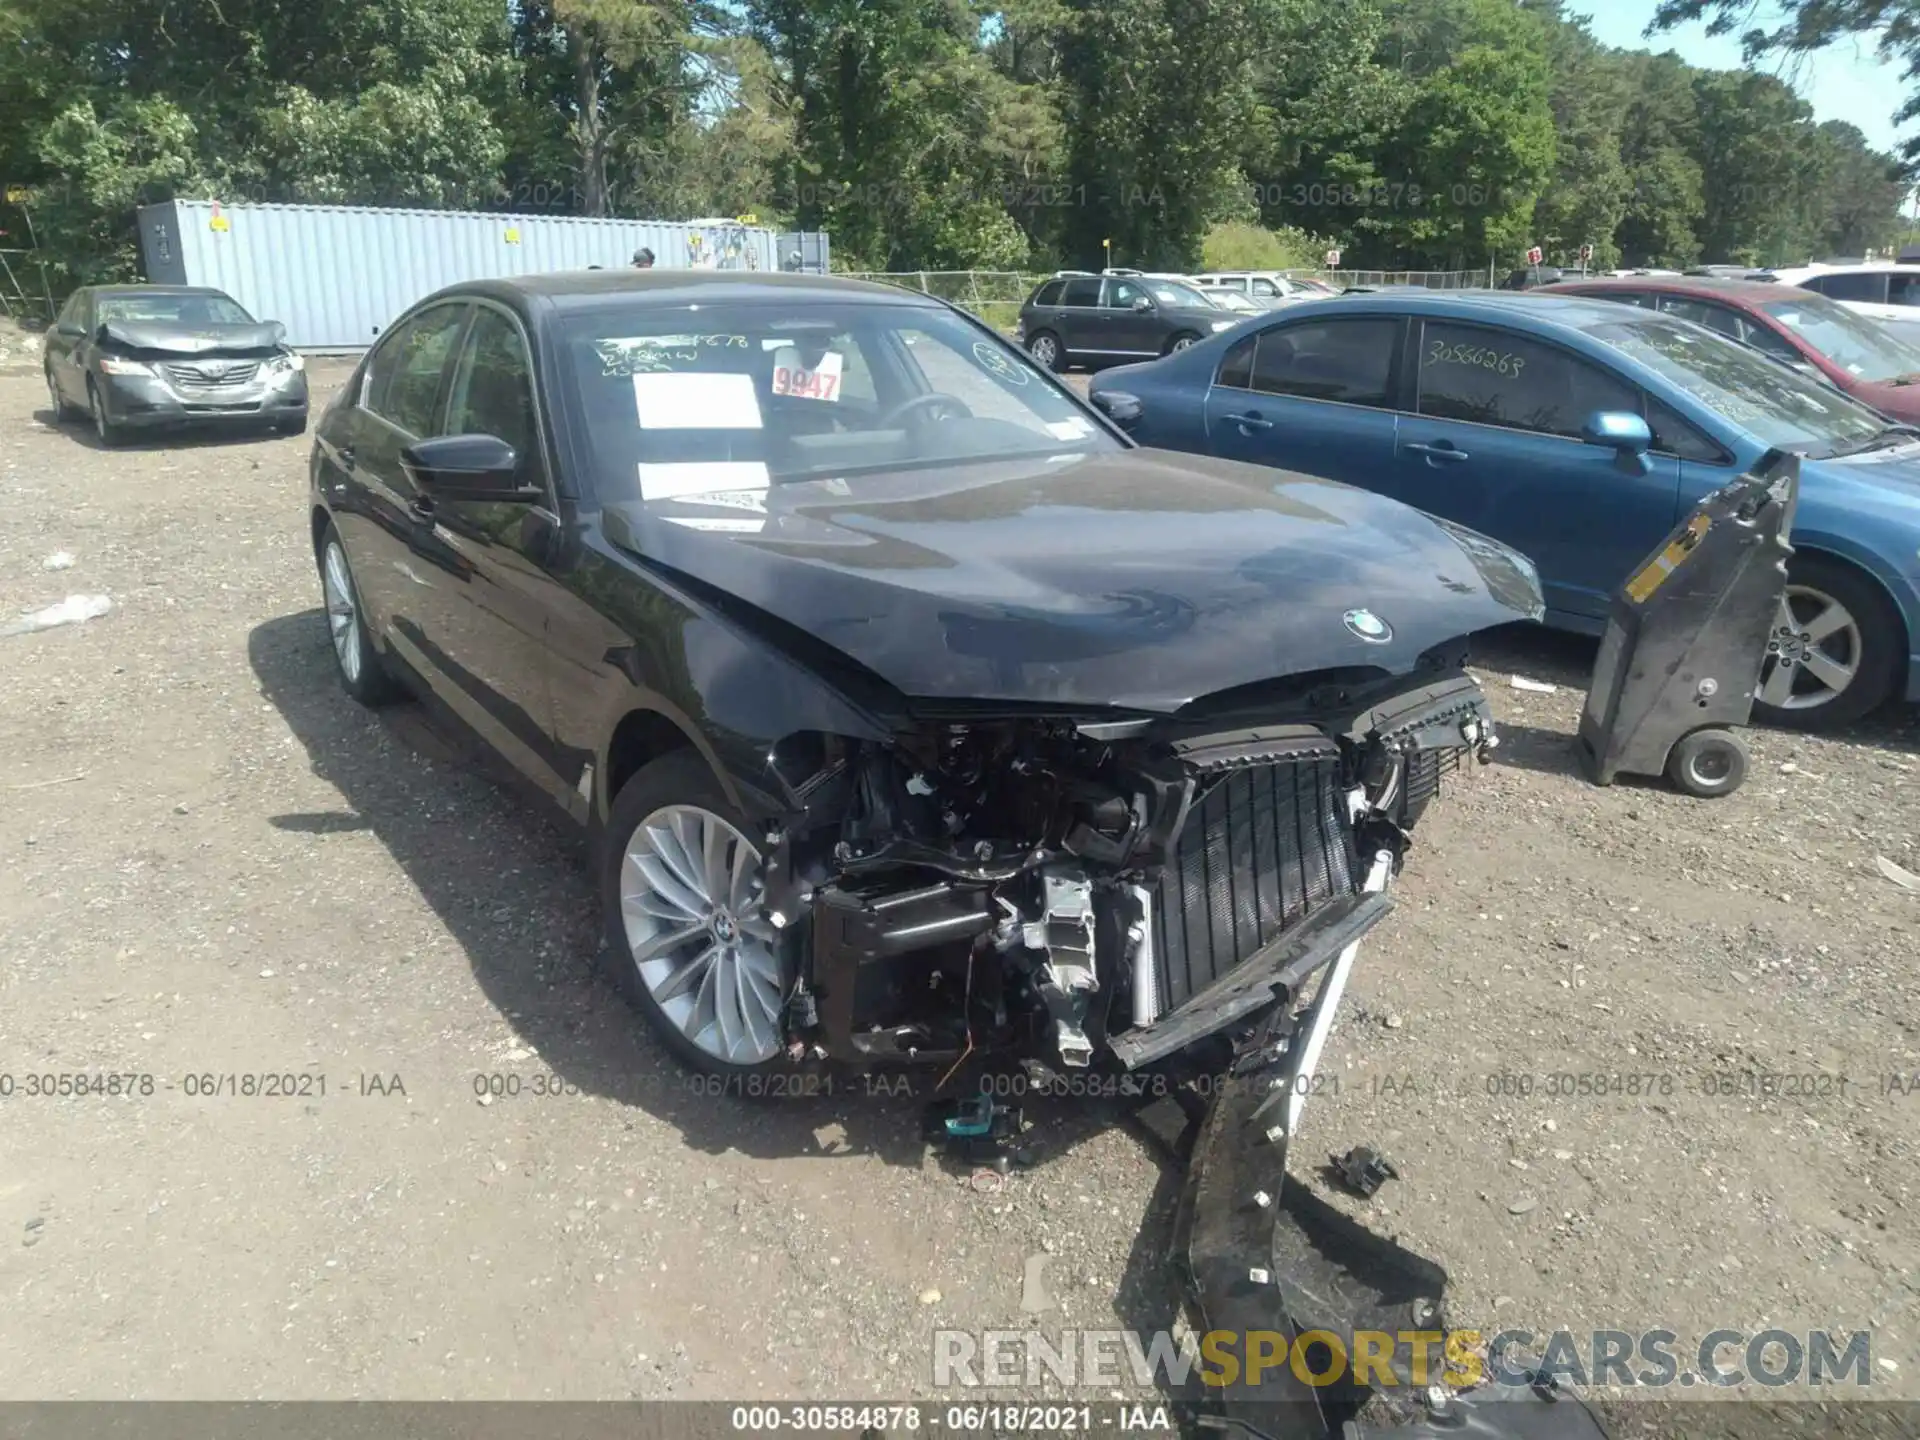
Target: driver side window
1122	293
404	374
492	390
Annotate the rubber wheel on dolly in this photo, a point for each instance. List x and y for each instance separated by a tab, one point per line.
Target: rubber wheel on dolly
1709	764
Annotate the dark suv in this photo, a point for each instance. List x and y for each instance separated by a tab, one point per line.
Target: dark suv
1091	319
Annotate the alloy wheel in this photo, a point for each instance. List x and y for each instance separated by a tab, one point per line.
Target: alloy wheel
695	914
1182	343
343	612
1813	654
1045	351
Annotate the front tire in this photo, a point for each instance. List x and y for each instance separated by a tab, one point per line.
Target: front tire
1045	348
1181	342
363	674
688	942
105	429
1835	651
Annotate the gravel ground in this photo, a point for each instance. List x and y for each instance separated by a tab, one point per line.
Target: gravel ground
217	865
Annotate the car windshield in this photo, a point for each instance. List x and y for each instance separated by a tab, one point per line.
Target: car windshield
1850	341
162	308
1769	400
1172	292
733	397
1230	300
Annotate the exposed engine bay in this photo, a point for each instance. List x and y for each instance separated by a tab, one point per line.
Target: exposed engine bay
1097	893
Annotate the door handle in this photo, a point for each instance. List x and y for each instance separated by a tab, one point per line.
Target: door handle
1440	452
1249	422
344	456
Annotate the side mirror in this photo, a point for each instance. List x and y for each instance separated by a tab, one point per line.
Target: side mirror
1141	304
1118	406
466	467
72	329
1624	433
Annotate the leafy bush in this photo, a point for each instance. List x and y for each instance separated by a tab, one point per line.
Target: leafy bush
1235	245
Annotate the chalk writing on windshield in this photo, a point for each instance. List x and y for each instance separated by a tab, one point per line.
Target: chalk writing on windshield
643	354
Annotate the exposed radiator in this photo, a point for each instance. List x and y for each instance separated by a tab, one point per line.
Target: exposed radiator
1261	849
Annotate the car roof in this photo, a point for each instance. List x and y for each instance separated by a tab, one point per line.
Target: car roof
1566	312
1748	292
1865	267
583	289
139	289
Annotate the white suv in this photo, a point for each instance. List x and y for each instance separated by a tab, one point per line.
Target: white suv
1264	287
1882	291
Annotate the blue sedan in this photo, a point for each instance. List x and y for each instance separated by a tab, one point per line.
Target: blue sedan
1579	432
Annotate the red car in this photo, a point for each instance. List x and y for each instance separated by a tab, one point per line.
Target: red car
1798	326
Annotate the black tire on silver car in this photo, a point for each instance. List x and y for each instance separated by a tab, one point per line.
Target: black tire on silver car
1044	346
688	941
362	672
104	427
1835	651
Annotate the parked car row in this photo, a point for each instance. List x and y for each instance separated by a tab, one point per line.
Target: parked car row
1578	430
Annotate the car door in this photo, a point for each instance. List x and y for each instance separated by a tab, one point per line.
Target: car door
1128	332
481	605
375	504
64	343
1494	442
1310	395
1080	317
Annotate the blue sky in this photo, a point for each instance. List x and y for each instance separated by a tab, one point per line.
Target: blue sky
1844	82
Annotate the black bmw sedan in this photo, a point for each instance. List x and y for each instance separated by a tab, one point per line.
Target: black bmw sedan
136	358
913	711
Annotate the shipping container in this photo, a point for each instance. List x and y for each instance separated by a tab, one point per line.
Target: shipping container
335	275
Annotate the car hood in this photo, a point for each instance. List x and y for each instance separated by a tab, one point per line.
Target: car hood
192	339
1900	401
1141	579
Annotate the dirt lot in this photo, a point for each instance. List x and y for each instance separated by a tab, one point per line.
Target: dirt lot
216	864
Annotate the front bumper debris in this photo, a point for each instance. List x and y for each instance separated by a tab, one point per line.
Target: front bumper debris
161	398
1266	1258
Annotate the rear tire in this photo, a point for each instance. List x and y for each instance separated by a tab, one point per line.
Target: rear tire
716	994
62	411
1871	644
363	674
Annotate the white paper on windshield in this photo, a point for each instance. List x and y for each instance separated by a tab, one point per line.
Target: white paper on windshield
791	377
700	478
719	524
670	401
1074	429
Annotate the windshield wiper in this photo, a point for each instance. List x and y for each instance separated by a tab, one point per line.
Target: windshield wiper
1883	440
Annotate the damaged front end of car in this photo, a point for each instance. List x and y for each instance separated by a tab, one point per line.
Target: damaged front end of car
1174	895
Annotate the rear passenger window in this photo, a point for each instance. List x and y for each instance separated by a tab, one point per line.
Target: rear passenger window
1496	377
1770	341
1236	370
1714	317
1871	288
1903	289
1049	293
1265	289
1083	291
1350	361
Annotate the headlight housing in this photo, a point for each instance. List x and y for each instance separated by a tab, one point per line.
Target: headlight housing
280	364
120	365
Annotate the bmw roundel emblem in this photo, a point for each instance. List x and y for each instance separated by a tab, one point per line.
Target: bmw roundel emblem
1368	626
